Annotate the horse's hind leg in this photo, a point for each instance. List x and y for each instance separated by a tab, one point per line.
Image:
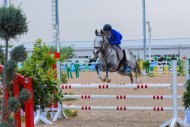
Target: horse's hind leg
131	77
97	66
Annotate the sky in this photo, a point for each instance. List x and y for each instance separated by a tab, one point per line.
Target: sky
80	18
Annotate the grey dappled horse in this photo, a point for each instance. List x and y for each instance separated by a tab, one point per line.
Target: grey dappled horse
111	58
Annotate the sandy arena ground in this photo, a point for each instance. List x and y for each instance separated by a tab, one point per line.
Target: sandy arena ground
114	118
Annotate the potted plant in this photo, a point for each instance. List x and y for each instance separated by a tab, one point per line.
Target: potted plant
186	101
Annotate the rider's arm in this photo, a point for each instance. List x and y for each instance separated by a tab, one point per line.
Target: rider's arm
116	38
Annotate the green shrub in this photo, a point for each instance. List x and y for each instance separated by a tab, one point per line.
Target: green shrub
64	78
39	68
13	104
25	95
186	95
70	113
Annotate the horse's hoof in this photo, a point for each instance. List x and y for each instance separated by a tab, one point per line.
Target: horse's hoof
108	80
103	79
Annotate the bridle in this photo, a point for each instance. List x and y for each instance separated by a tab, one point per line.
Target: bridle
101	48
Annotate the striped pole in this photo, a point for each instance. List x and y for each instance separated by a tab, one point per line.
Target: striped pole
114	86
155	97
122	108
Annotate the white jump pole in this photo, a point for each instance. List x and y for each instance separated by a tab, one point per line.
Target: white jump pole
117	86
175	118
155	97
121	108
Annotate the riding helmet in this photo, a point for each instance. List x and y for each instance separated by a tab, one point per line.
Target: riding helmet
107	27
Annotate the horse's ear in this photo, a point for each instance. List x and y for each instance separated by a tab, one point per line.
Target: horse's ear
102	32
96	31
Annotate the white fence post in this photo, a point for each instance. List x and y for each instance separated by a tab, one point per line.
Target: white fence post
175	118
186	69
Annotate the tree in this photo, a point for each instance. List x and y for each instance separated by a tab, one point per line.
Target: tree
66	52
12	25
39	68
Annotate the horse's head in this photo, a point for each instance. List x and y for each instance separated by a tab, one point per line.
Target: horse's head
100	42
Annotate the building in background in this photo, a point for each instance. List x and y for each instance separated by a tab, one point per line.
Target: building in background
160	47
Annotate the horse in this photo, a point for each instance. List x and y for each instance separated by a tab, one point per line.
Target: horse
111	58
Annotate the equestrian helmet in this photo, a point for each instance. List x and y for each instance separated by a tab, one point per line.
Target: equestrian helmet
107	27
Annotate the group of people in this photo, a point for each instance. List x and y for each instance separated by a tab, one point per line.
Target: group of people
69	71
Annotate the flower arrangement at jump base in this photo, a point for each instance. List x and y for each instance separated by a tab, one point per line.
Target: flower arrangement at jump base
70	112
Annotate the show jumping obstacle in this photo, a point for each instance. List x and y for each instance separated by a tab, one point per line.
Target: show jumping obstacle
174	96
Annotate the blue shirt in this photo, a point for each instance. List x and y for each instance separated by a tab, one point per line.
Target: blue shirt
115	38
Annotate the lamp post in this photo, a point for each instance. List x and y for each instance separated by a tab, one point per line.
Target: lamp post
144	28
57	36
149	49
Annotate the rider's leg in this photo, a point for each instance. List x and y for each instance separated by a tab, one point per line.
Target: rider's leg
127	68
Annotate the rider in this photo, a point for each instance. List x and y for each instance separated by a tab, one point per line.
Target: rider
114	38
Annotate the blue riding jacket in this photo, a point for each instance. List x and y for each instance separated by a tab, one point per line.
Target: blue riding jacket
115	38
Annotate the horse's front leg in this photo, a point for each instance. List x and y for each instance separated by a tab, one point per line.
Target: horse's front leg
97	66
107	75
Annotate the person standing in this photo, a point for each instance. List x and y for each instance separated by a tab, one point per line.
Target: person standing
69	65
77	68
